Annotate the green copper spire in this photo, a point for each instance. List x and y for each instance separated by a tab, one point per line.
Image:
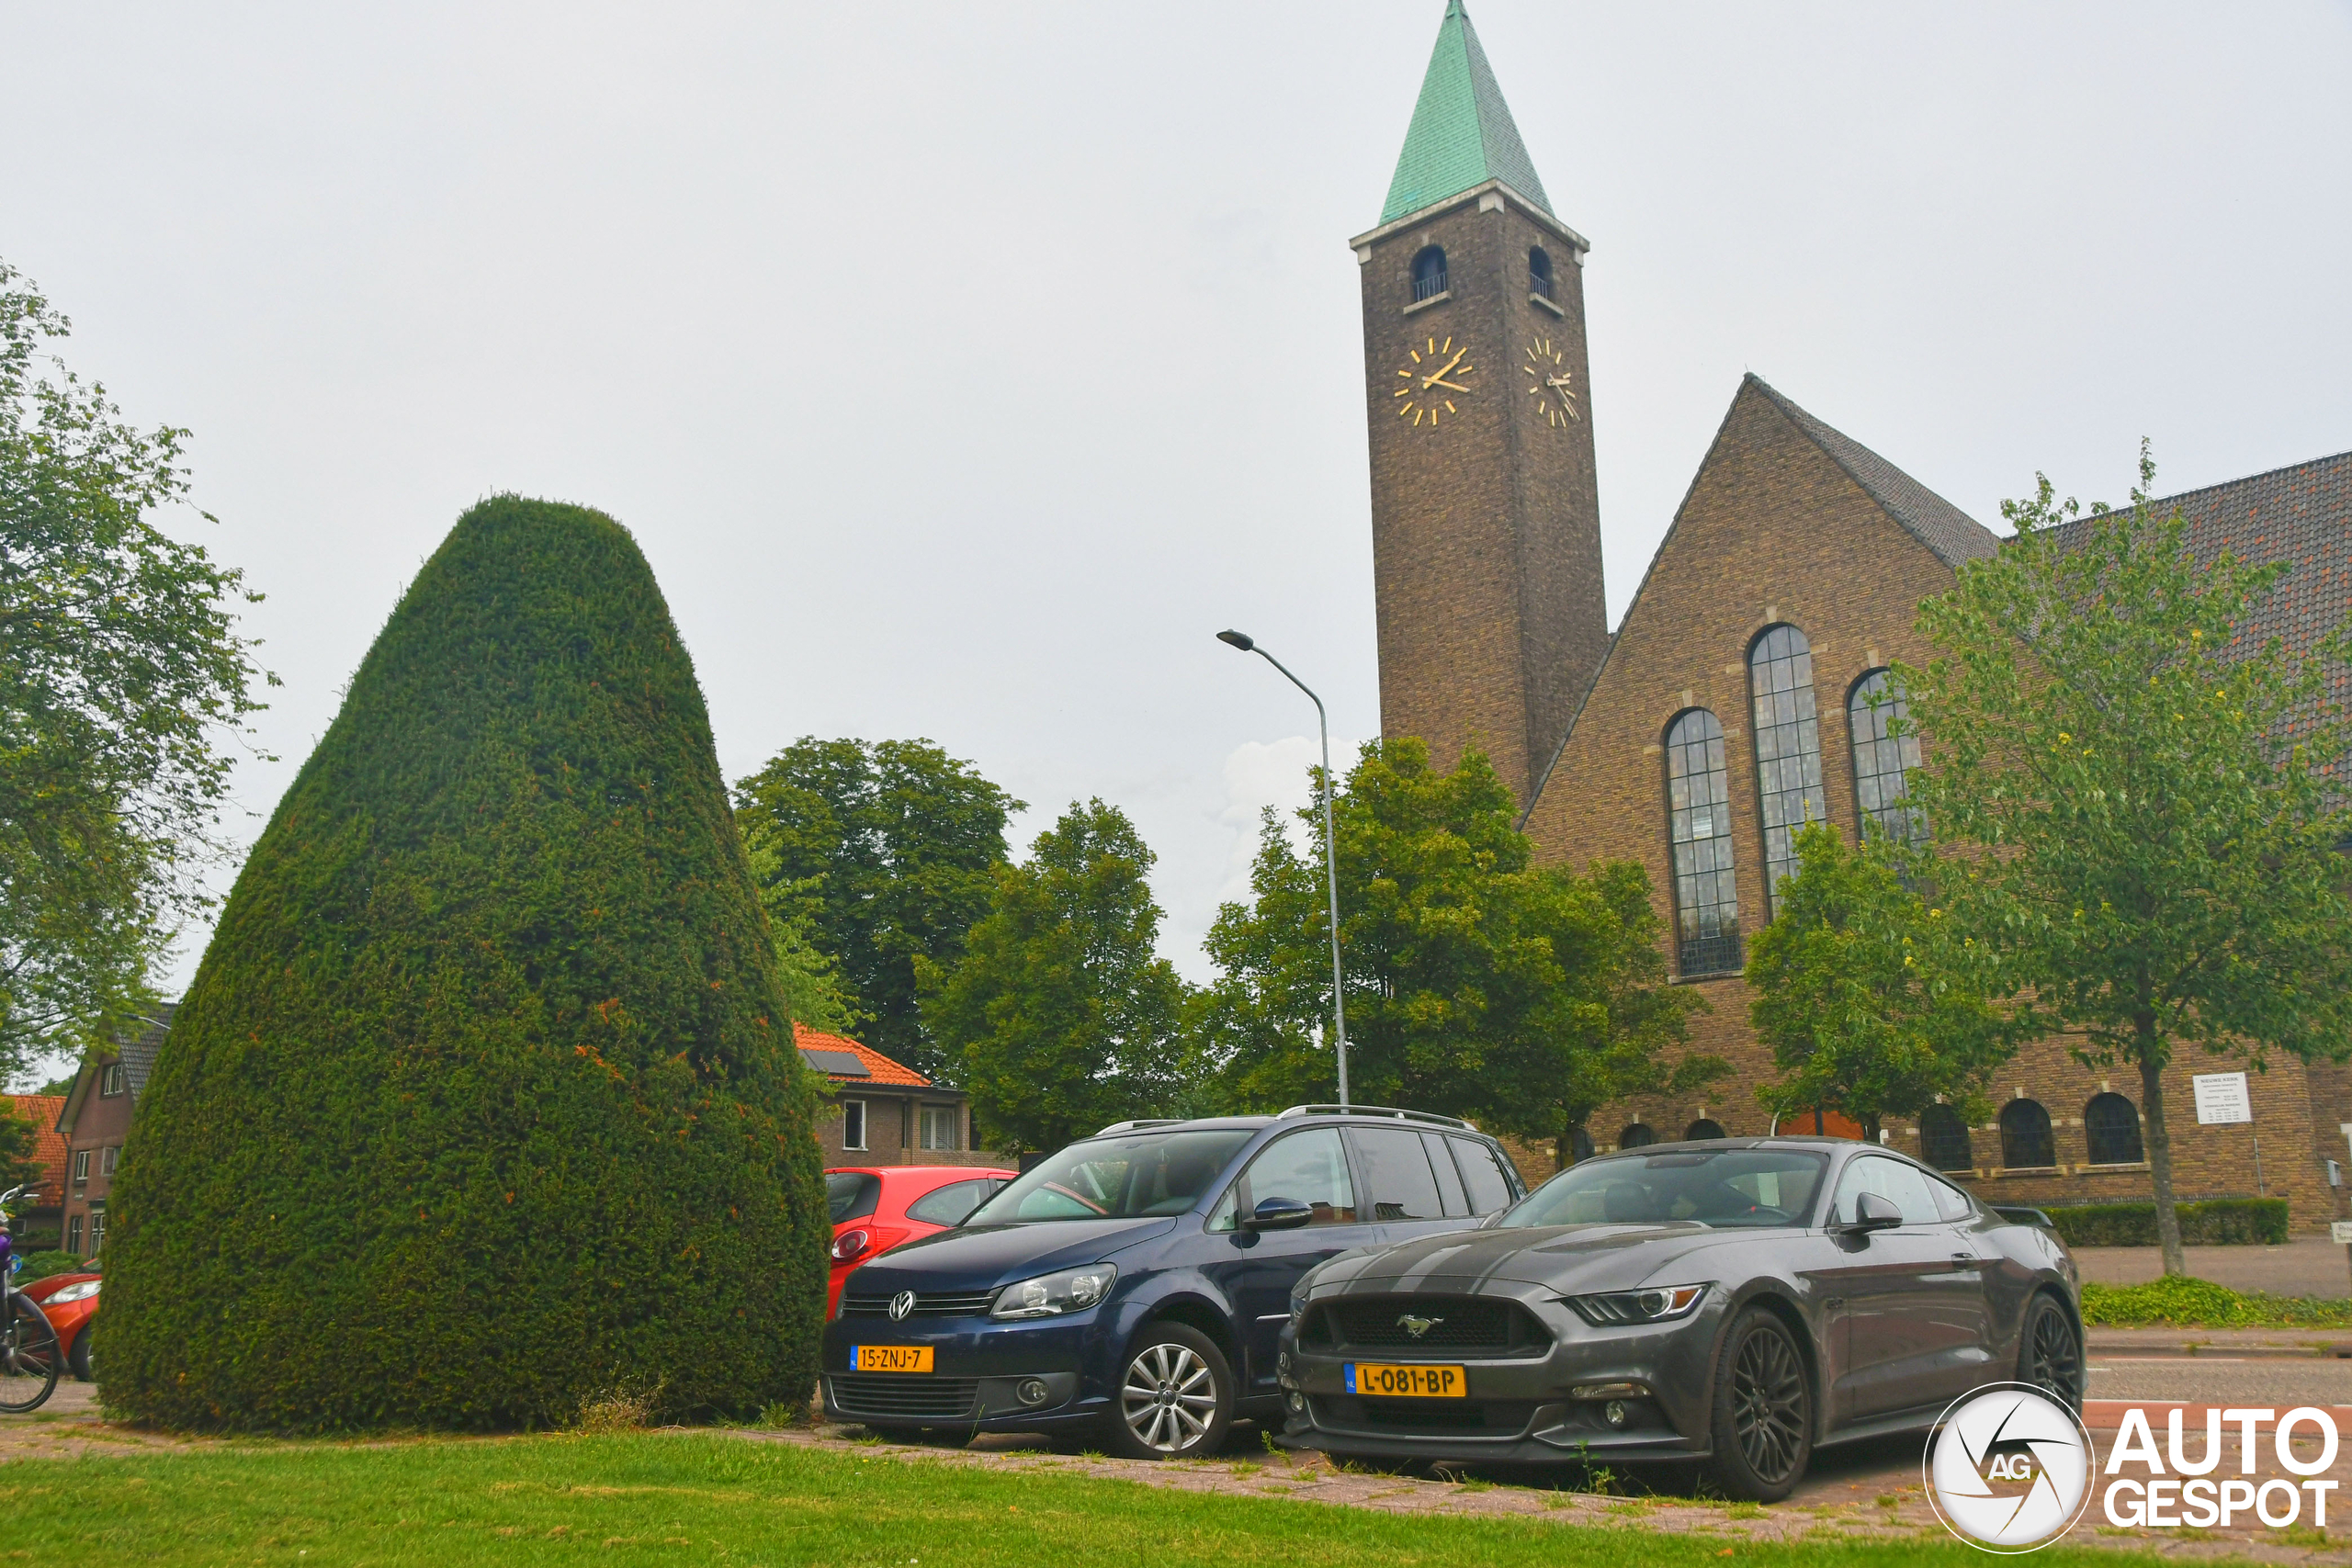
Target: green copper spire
1461	133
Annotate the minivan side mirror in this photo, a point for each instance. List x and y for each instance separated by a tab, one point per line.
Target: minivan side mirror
1278	1214
1872	1212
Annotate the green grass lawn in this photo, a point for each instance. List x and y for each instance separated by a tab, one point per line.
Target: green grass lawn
669	1498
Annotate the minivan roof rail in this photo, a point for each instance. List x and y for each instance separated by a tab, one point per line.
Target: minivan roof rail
1378	1111
1131	1126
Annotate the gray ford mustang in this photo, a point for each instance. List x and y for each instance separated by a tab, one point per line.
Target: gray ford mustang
1740	1301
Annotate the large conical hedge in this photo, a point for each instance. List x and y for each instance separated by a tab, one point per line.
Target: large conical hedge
481	1104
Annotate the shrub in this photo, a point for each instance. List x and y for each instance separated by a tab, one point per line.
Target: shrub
481	1104
2181	1300
2221	1222
42	1265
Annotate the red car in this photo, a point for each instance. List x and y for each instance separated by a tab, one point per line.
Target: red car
878	1207
70	1301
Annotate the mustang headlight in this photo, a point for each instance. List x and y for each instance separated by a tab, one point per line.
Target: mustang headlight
1049	1296
1659	1303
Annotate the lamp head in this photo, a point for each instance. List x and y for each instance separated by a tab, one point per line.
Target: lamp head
1241	641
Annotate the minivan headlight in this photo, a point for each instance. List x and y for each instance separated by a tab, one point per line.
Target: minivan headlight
1658	1303
1049	1296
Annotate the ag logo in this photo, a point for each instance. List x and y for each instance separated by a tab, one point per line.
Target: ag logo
2008	1468
902	1304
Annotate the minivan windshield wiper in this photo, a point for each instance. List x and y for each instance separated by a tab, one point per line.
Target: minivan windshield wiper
1131	1177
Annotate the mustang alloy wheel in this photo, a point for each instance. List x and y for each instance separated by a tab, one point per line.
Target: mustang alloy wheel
1176	1397
1763	1410
2050	1354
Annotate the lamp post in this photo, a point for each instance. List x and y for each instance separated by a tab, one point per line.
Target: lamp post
1248	644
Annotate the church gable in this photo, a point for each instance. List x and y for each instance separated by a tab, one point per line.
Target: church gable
1777	530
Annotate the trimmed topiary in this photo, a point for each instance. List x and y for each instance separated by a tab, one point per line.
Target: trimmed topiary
481	1107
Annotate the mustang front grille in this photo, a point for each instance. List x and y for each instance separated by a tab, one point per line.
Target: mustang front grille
1467	1325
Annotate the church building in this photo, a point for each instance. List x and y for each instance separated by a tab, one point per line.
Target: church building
1731	702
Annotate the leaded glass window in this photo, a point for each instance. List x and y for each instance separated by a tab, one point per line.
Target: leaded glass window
1698	802
1882	762
1788	746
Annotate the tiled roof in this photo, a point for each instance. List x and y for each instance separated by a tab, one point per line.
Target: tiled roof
2302	515
49	1146
879	1068
1461	133
139	1054
1936	522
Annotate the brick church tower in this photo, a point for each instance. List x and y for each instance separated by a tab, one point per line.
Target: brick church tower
1486	523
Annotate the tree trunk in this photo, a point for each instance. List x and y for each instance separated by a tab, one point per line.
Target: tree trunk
1564	1147
1869	1120
2152	1107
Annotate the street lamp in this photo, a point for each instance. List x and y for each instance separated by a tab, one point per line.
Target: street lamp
1246	644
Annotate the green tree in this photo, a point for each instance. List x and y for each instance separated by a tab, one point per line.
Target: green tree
1871	1001
1479	983
1064	1017
482	1102
883	854
807	976
2136	806
19	1138
120	671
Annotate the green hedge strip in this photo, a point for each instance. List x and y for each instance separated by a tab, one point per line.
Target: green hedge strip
481	1104
2220	1222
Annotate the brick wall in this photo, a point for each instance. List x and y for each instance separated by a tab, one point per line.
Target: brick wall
892	1131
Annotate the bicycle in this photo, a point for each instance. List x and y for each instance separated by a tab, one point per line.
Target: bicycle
29	1356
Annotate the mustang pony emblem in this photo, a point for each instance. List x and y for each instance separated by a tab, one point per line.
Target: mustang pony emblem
1417	1326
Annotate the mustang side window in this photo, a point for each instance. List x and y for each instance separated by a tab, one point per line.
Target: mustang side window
1397	1168
1899	1184
1308	1168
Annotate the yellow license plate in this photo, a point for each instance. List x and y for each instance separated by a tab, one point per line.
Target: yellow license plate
1406	1382
889	1358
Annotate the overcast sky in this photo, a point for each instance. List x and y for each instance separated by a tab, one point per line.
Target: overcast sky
962	369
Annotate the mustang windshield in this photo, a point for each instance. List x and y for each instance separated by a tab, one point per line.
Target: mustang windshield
1724	1188
1117	1178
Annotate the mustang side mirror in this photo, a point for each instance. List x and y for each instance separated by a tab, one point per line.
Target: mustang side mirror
1872	1212
1278	1214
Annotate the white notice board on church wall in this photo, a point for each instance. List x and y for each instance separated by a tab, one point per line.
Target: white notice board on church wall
2222	1096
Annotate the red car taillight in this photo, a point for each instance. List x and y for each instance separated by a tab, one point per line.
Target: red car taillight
850	1245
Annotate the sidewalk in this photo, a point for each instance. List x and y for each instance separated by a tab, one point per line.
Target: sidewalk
2305	1266
2222	1343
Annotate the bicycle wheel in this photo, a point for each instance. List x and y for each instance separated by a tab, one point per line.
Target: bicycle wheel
28	1358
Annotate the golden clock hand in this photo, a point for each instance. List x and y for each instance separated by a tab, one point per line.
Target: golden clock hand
1435	376
1449	386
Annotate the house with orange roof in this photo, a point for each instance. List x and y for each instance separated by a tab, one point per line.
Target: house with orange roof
884	1112
39	1221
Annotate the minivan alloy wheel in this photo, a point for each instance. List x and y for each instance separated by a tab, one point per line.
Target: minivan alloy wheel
1169	1398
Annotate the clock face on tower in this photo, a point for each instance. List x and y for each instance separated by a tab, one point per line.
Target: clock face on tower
1548	382
1426	389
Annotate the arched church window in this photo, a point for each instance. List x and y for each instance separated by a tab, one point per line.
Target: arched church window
1638	1136
1428	273
1788	746
1703	1128
2111	1128
1539	271
1882	760
1698	814
1943	1139
2025	1135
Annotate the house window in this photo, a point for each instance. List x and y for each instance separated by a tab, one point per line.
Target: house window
81	1167
2025	1135
108	1159
97	1230
73	1235
1636	1136
1698	810
2112	1127
941	1123
1788	746
110	1079
1539	272
1881	761
1429	273
1943	1139
852	1124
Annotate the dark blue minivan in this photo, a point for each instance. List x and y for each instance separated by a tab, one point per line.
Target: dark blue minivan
1136	1282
